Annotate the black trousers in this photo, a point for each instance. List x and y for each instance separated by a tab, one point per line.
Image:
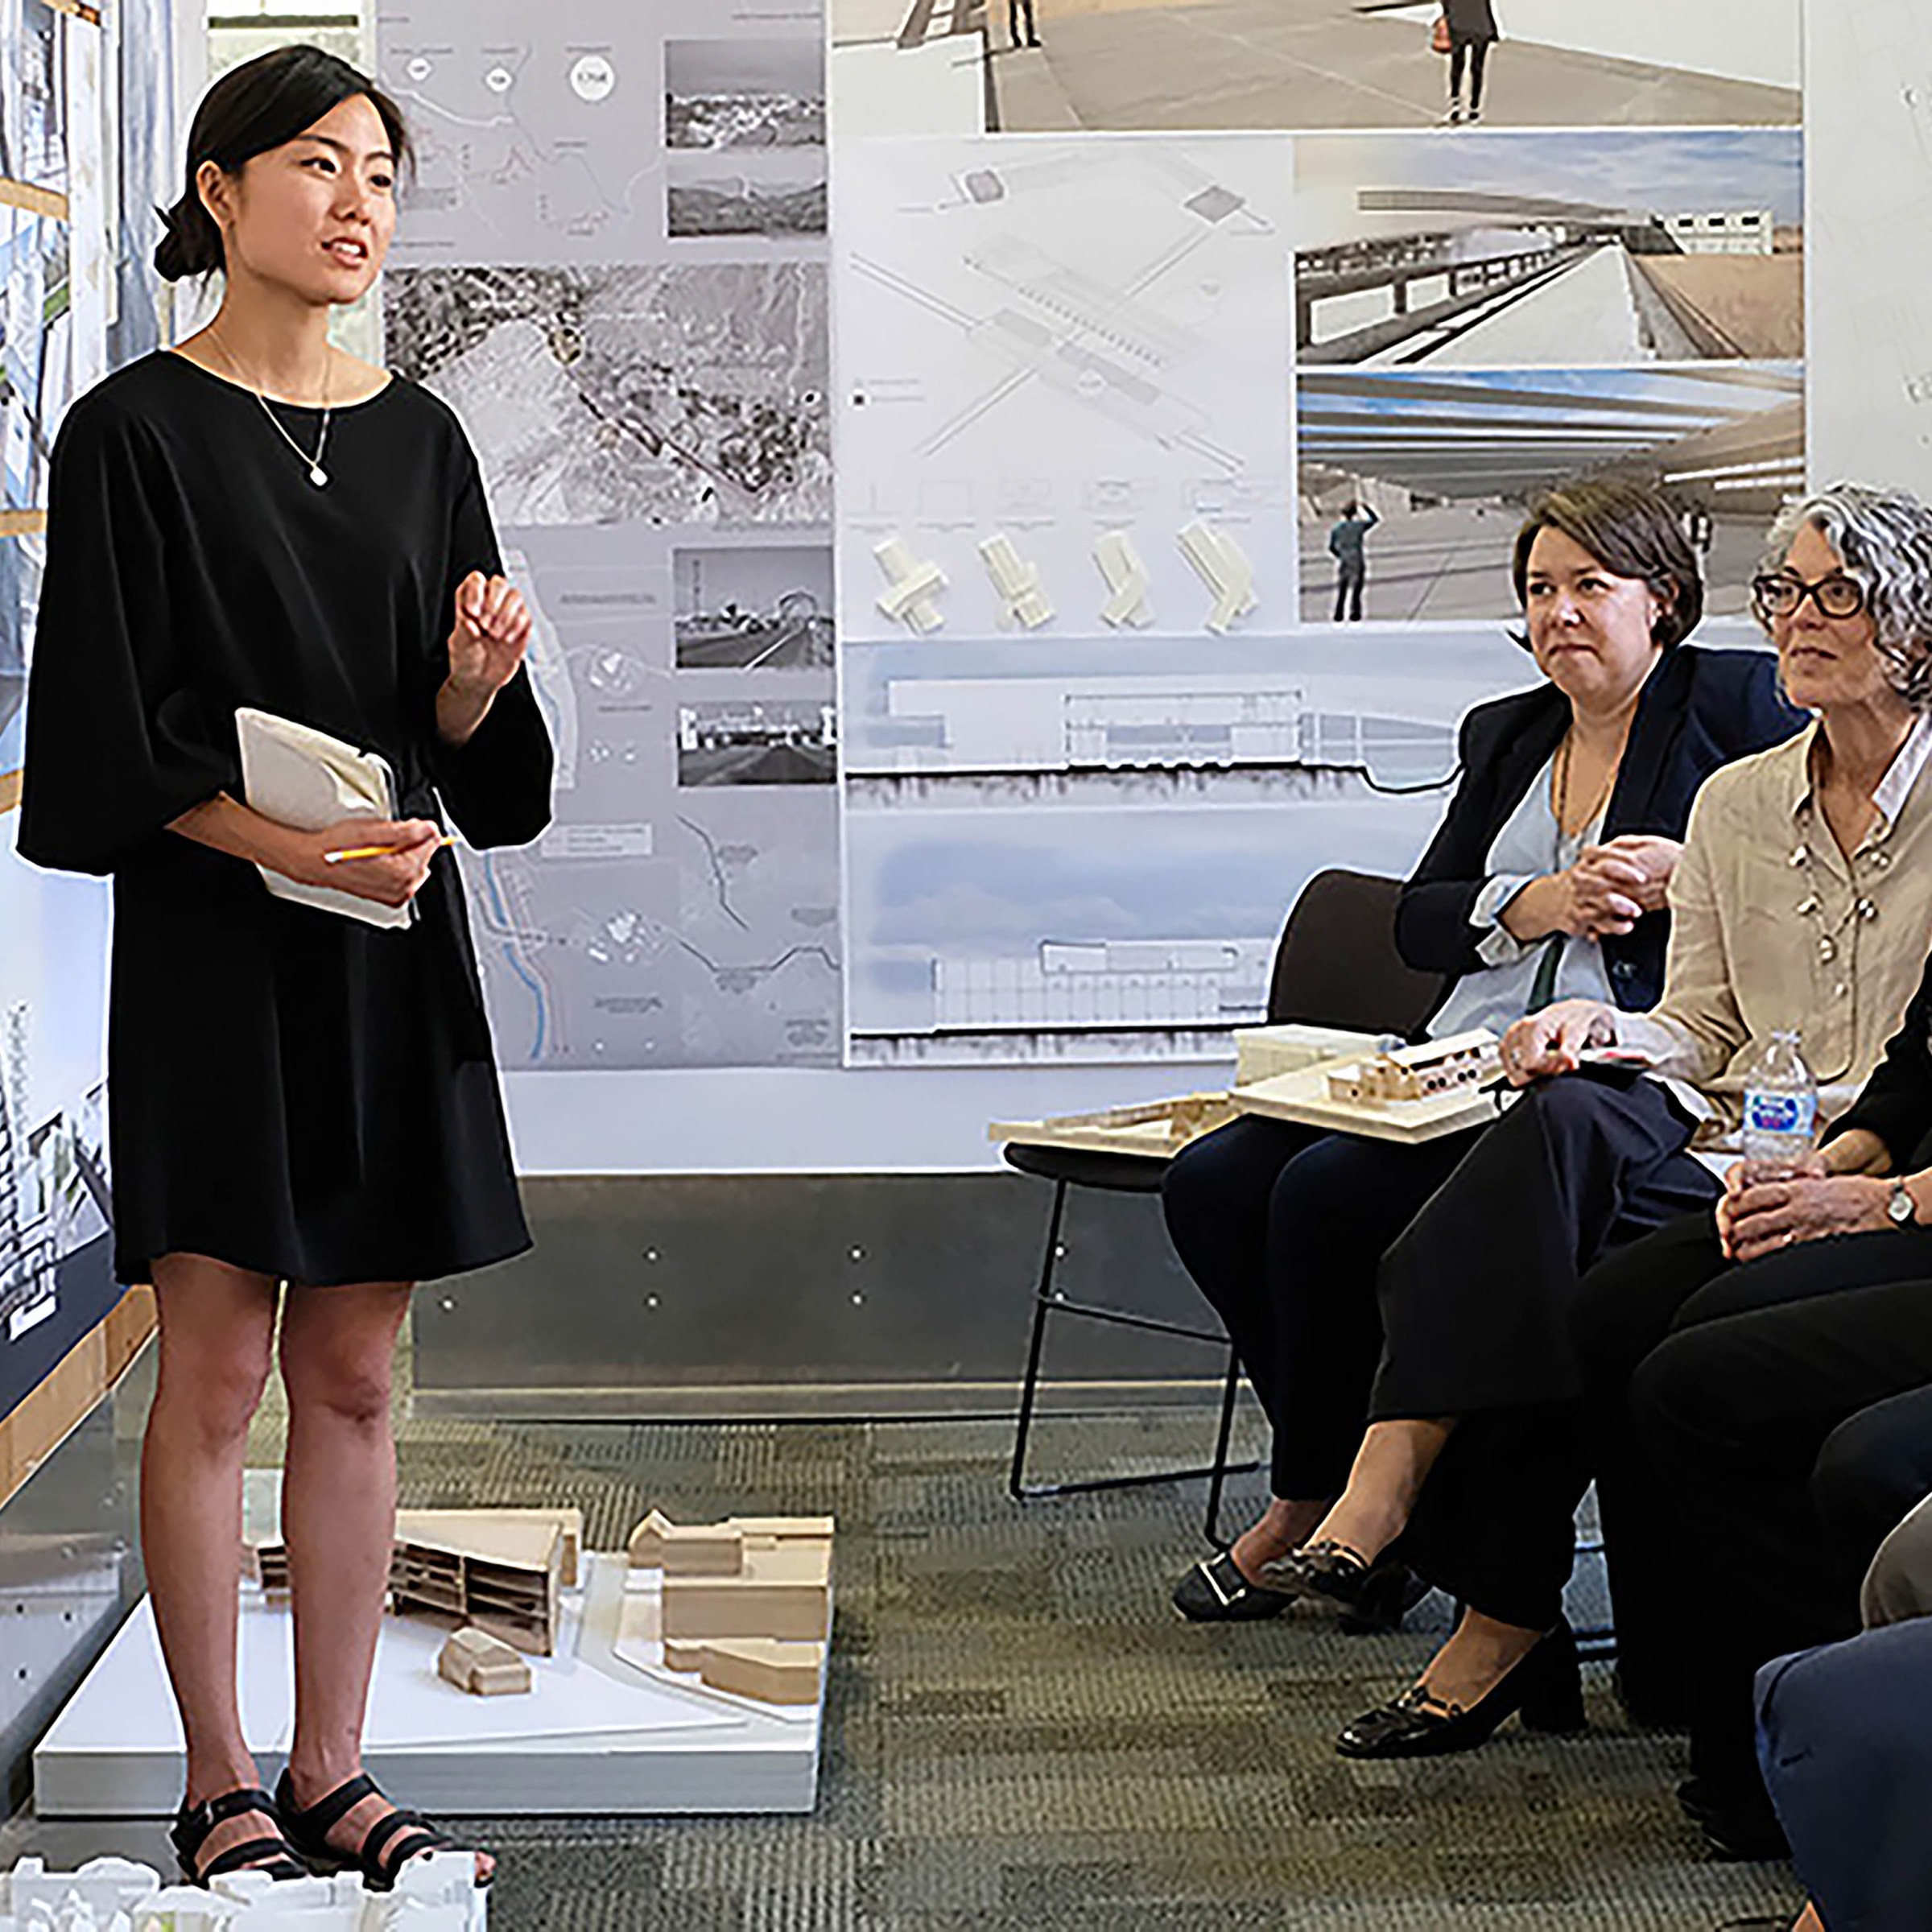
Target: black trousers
1351	580
1476	1301
1283	1228
1477	53
1757	1431
1628	1306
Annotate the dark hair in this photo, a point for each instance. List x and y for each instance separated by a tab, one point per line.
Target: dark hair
252	108
1633	532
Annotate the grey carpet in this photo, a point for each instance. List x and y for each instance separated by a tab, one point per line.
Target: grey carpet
1020	1734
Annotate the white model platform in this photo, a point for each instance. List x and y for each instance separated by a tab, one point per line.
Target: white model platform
598	1731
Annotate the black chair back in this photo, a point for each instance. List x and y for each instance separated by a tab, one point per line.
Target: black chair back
1337	965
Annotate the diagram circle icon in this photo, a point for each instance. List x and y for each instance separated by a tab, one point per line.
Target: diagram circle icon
592	77
499	80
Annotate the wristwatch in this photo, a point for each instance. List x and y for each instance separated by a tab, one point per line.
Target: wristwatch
1900	1209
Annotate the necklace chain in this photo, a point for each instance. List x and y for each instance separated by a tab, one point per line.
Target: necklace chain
317	475
1564	753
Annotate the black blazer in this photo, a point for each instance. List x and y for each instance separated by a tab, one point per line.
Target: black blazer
1896	1102
1699	709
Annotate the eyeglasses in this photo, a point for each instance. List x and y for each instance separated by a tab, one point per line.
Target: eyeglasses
1779	596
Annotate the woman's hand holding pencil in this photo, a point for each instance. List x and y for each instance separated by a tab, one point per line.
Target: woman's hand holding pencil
384	860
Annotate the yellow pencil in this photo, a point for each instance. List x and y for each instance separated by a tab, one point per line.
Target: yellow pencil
374	851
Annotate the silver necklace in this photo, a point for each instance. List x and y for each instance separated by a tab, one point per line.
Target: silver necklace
317	475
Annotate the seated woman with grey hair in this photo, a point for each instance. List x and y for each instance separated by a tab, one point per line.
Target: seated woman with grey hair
1802	901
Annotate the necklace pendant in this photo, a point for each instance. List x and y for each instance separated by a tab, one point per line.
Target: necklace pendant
317	475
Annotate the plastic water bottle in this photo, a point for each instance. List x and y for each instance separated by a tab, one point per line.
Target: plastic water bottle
1781	1110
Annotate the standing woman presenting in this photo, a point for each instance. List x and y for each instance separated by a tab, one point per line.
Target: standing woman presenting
256	518
1471	32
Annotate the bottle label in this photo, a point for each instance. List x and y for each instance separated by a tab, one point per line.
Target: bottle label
1779	1113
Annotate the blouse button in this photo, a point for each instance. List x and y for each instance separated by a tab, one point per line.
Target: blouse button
1807	908
1802	855
1868	909
1827	949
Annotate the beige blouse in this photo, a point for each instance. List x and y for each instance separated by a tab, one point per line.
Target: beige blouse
1772	927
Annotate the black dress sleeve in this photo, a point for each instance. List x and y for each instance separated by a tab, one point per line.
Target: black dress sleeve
496	786
118	743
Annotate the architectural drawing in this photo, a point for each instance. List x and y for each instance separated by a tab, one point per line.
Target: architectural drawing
1449	459
682	909
1086	851
1522	249
33	94
1048	341
692	395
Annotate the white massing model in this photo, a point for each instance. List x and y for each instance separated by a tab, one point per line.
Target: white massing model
1126	580
1418	1073
1021	600
912	587
437	1892
1222	565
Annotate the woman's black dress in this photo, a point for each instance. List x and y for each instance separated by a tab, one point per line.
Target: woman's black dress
289	1090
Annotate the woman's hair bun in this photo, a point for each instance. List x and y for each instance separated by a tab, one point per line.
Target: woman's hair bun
191	244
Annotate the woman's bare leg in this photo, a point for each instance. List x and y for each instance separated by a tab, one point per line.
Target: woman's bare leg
217	1328
1389	1470
1283	1525
1481	1653
339	1514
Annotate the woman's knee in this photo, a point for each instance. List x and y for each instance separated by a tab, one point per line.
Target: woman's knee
338	1356
1675	1388
213	1382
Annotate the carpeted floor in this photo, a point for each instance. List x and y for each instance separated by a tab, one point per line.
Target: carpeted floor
1020	1734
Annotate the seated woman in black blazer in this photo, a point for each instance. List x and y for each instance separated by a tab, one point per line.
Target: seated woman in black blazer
1546	879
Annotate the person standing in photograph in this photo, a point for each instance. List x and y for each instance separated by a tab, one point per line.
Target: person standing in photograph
1014	10
1472	31
304	1109
1346	545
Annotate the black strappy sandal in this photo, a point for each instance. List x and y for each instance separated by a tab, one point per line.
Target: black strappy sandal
193	1823
401	1835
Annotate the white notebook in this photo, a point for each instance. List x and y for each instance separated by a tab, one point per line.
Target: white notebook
300	777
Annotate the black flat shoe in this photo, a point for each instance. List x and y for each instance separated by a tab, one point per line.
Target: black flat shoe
268	1852
1325	1569
1215	1592
1543	1686
1389	1592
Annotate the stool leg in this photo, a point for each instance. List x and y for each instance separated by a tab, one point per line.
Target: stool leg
1042	1303
1212	1526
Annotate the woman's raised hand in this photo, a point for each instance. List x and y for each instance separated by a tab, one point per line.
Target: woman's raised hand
489	637
1549	1043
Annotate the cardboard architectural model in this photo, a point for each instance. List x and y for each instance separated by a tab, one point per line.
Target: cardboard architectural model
1418	1073
477	1662
434	1894
748	1577
766	1668
499	1570
1264	1053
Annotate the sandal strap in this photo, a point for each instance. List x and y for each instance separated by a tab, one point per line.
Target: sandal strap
404	1835
317	1820
268	1854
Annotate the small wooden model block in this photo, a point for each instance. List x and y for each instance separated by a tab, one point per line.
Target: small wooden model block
1418	1073
476	1661
784	1592
775	1672
683	1653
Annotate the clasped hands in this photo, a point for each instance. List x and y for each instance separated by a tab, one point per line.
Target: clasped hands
489	635
1602	896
